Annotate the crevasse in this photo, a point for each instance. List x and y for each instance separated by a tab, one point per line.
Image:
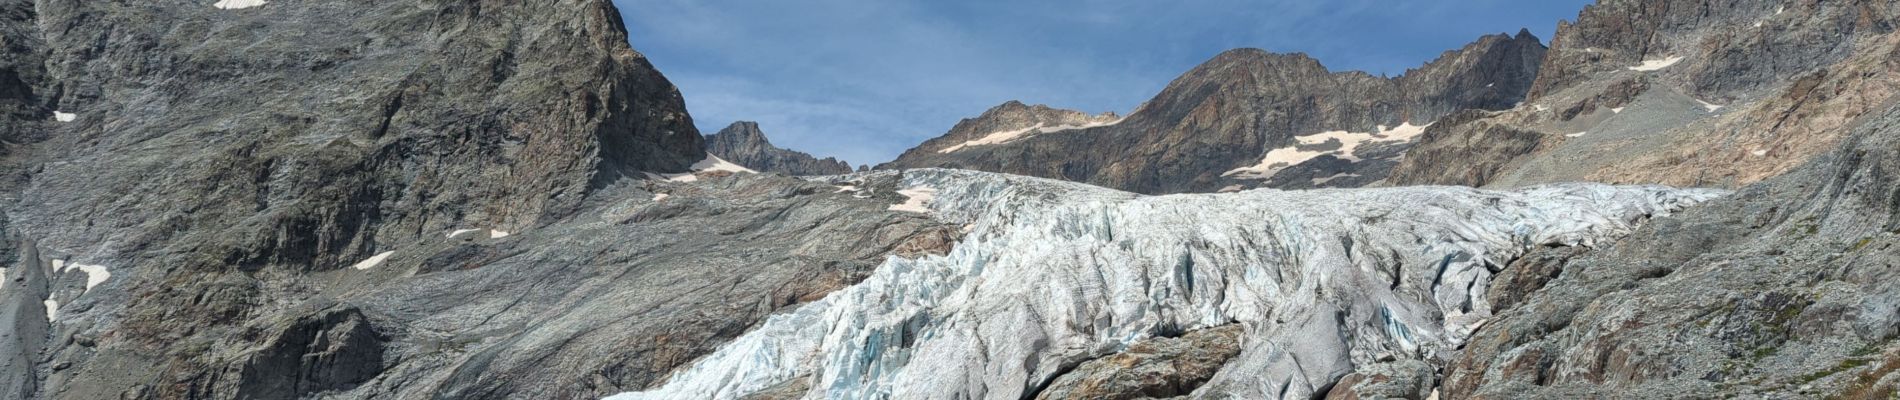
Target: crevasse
1055	273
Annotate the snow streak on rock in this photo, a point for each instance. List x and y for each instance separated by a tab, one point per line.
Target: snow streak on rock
1056	273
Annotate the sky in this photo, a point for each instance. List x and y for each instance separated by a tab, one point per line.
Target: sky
863	80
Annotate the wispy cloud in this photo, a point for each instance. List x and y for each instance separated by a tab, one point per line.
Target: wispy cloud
865	79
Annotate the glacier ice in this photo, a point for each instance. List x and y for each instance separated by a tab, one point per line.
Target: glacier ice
1055	273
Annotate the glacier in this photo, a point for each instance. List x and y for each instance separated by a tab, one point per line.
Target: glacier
1055	273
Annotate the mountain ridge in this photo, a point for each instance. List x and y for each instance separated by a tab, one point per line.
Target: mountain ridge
743	143
1227	112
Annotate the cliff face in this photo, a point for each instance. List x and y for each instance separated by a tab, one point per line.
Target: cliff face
744	144
255	199
1246	115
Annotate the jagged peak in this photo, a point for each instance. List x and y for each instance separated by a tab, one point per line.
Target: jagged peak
1525	33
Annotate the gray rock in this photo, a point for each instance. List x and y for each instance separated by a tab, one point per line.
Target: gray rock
1154	368
742	143
1399	379
1783	290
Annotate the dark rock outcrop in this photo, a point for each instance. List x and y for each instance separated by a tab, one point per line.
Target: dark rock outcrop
742	143
1230	111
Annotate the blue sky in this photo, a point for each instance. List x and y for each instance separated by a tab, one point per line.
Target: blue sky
863	80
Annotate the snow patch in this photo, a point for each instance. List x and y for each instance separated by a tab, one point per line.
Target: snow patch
52	309
1709	106
64	116
1322	181
1232	188
915	199
494	234
711	163
1540	107
660	196
1578	134
1759	153
460	232
1618	110
372	261
846	188
1013	135
1655	65
95	274
1280	158
237	4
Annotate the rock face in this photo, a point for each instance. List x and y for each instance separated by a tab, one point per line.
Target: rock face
1155	368
403	199
1237	120
742	143
1684	93
1783	290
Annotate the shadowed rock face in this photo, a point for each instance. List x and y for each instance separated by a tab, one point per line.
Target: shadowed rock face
742	143
1231	111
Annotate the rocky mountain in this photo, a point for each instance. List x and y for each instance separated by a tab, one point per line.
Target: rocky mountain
743	143
1680	92
1004	123
256	199
491	200
1249	118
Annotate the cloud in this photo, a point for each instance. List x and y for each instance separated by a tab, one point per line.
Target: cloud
865	79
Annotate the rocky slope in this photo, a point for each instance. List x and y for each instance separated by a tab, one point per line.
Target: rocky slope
492	200
1249	118
1784	290
1002	124
1685	93
744	144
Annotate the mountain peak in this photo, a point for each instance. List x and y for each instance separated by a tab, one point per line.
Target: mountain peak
745	144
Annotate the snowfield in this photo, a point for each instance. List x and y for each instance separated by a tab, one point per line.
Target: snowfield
1280	158
1055	273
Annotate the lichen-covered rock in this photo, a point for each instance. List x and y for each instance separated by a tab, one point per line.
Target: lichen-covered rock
1153	368
1404	379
